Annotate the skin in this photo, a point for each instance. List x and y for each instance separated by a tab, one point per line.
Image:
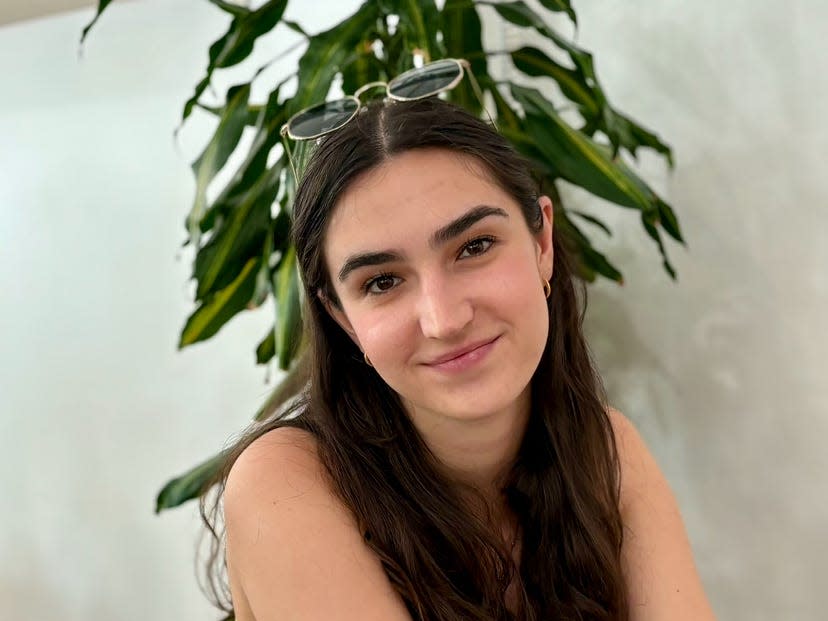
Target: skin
294	550
481	283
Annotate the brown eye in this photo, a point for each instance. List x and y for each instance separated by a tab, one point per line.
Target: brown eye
476	247
380	284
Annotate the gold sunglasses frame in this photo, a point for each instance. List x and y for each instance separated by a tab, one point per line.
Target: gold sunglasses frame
462	64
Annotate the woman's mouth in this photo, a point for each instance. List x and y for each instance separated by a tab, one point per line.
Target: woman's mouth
463	358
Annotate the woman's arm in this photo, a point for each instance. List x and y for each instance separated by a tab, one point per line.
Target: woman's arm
294	550
662	581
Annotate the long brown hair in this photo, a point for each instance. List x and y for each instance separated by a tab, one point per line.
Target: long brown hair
446	561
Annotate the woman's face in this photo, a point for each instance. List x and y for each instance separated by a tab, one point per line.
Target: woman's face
441	283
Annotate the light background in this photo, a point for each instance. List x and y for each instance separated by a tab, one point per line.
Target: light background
722	371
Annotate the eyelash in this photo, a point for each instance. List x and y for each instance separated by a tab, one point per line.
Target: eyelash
482	238
366	287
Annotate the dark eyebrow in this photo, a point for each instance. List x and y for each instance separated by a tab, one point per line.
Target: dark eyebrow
356	261
440	237
463	223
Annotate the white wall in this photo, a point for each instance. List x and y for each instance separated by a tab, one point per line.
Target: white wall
721	371
97	408
725	370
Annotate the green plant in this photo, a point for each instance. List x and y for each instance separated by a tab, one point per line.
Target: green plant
242	252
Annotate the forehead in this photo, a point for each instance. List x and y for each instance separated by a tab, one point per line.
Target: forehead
407	198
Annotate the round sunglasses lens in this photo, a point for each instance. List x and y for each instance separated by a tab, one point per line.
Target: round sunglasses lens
323	118
425	81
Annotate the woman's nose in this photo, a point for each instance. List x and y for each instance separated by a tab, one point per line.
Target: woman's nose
444	311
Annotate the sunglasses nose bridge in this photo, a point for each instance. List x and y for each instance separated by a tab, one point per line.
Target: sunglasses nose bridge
366	87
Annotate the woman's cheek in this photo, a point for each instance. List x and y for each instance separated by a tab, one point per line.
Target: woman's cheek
383	335
517	283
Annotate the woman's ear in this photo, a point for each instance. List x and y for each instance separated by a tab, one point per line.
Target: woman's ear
338	315
543	238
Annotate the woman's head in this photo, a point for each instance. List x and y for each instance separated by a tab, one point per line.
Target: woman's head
471	245
420	233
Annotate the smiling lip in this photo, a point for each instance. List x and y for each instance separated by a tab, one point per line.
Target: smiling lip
458	355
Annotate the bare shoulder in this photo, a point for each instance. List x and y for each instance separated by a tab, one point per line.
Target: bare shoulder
633	455
271	458
294	551
662	580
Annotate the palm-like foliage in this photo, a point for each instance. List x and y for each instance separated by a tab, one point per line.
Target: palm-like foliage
242	251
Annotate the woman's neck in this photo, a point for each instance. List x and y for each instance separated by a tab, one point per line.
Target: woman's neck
480	451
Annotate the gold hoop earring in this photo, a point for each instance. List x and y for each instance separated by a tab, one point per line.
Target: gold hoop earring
367	360
547	289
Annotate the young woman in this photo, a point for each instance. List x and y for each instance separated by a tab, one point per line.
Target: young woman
452	456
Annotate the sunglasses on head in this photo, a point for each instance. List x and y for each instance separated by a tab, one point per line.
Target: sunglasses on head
418	83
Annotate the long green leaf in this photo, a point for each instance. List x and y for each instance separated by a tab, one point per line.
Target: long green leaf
281	228
599	115
561	6
592	220
507	118
189	485
327	53
462	38
365	67
270	119
397	52
660	212
527	147
102	4
420	21
295	27
240	237
289	313
266	348
627	133
588	261
237	43
668	220
236	10
518	13
535	63
583	162
648	219
263	282
253	112
224	141
579	159
216	311
592	261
